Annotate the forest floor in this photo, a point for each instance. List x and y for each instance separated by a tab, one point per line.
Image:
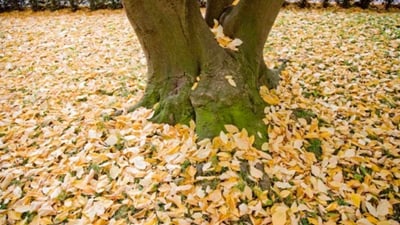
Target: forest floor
333	153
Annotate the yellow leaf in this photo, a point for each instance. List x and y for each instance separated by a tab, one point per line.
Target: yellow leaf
332	207
46	210
243	209
203	153
279	215
231	202
322	187
348	222
151	221
114	171
223	137
139	162
235	2
313	221
355	199
234	44
297	144
256	173
269	97
215	196
224	41
241	142
384	223
265	146
282	185
371	209
383	207
100	222
230	81
231	128
285	193
372	219
111	140
195	86
14	215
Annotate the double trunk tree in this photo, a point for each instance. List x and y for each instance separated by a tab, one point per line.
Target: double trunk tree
190	76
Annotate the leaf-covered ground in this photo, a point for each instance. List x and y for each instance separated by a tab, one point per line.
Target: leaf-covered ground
334	139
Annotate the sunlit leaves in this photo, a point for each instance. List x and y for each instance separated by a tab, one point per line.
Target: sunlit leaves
269	96
225	41
319	127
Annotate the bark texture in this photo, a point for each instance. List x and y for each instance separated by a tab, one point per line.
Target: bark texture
188	71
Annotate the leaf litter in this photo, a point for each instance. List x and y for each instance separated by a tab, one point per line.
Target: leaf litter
333	128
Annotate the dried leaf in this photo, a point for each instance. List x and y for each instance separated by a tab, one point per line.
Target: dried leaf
63	157
139	162
279	215
111	140
234	44
356	199
383	208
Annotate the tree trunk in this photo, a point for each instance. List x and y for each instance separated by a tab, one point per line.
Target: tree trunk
74	5
325	3
345	4
364	4
303	4
190	77
388	4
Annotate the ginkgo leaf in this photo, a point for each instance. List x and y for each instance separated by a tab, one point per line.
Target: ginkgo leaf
256	173
243	209
203	153
139	162
195	84
111	140
235	2
265	147
114	171
46	210
332	207
93	134
230	80
234	44
356	199
285	193
371	209
269	97
231	128
383	208
223	40
224	137
283	185
279	216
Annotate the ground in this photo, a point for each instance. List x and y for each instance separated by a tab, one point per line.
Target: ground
332	154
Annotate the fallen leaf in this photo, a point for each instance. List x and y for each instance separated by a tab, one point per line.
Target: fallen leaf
279	215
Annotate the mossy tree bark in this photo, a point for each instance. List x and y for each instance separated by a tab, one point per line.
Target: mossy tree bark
182	54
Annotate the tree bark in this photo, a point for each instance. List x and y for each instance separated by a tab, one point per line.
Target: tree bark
388	4
190	76
364	4
215	8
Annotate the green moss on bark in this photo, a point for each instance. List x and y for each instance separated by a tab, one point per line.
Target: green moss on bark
180	47
210	121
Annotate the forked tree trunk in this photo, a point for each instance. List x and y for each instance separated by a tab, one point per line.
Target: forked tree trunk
190	76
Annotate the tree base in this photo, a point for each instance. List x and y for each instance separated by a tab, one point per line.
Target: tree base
190	77
213	101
